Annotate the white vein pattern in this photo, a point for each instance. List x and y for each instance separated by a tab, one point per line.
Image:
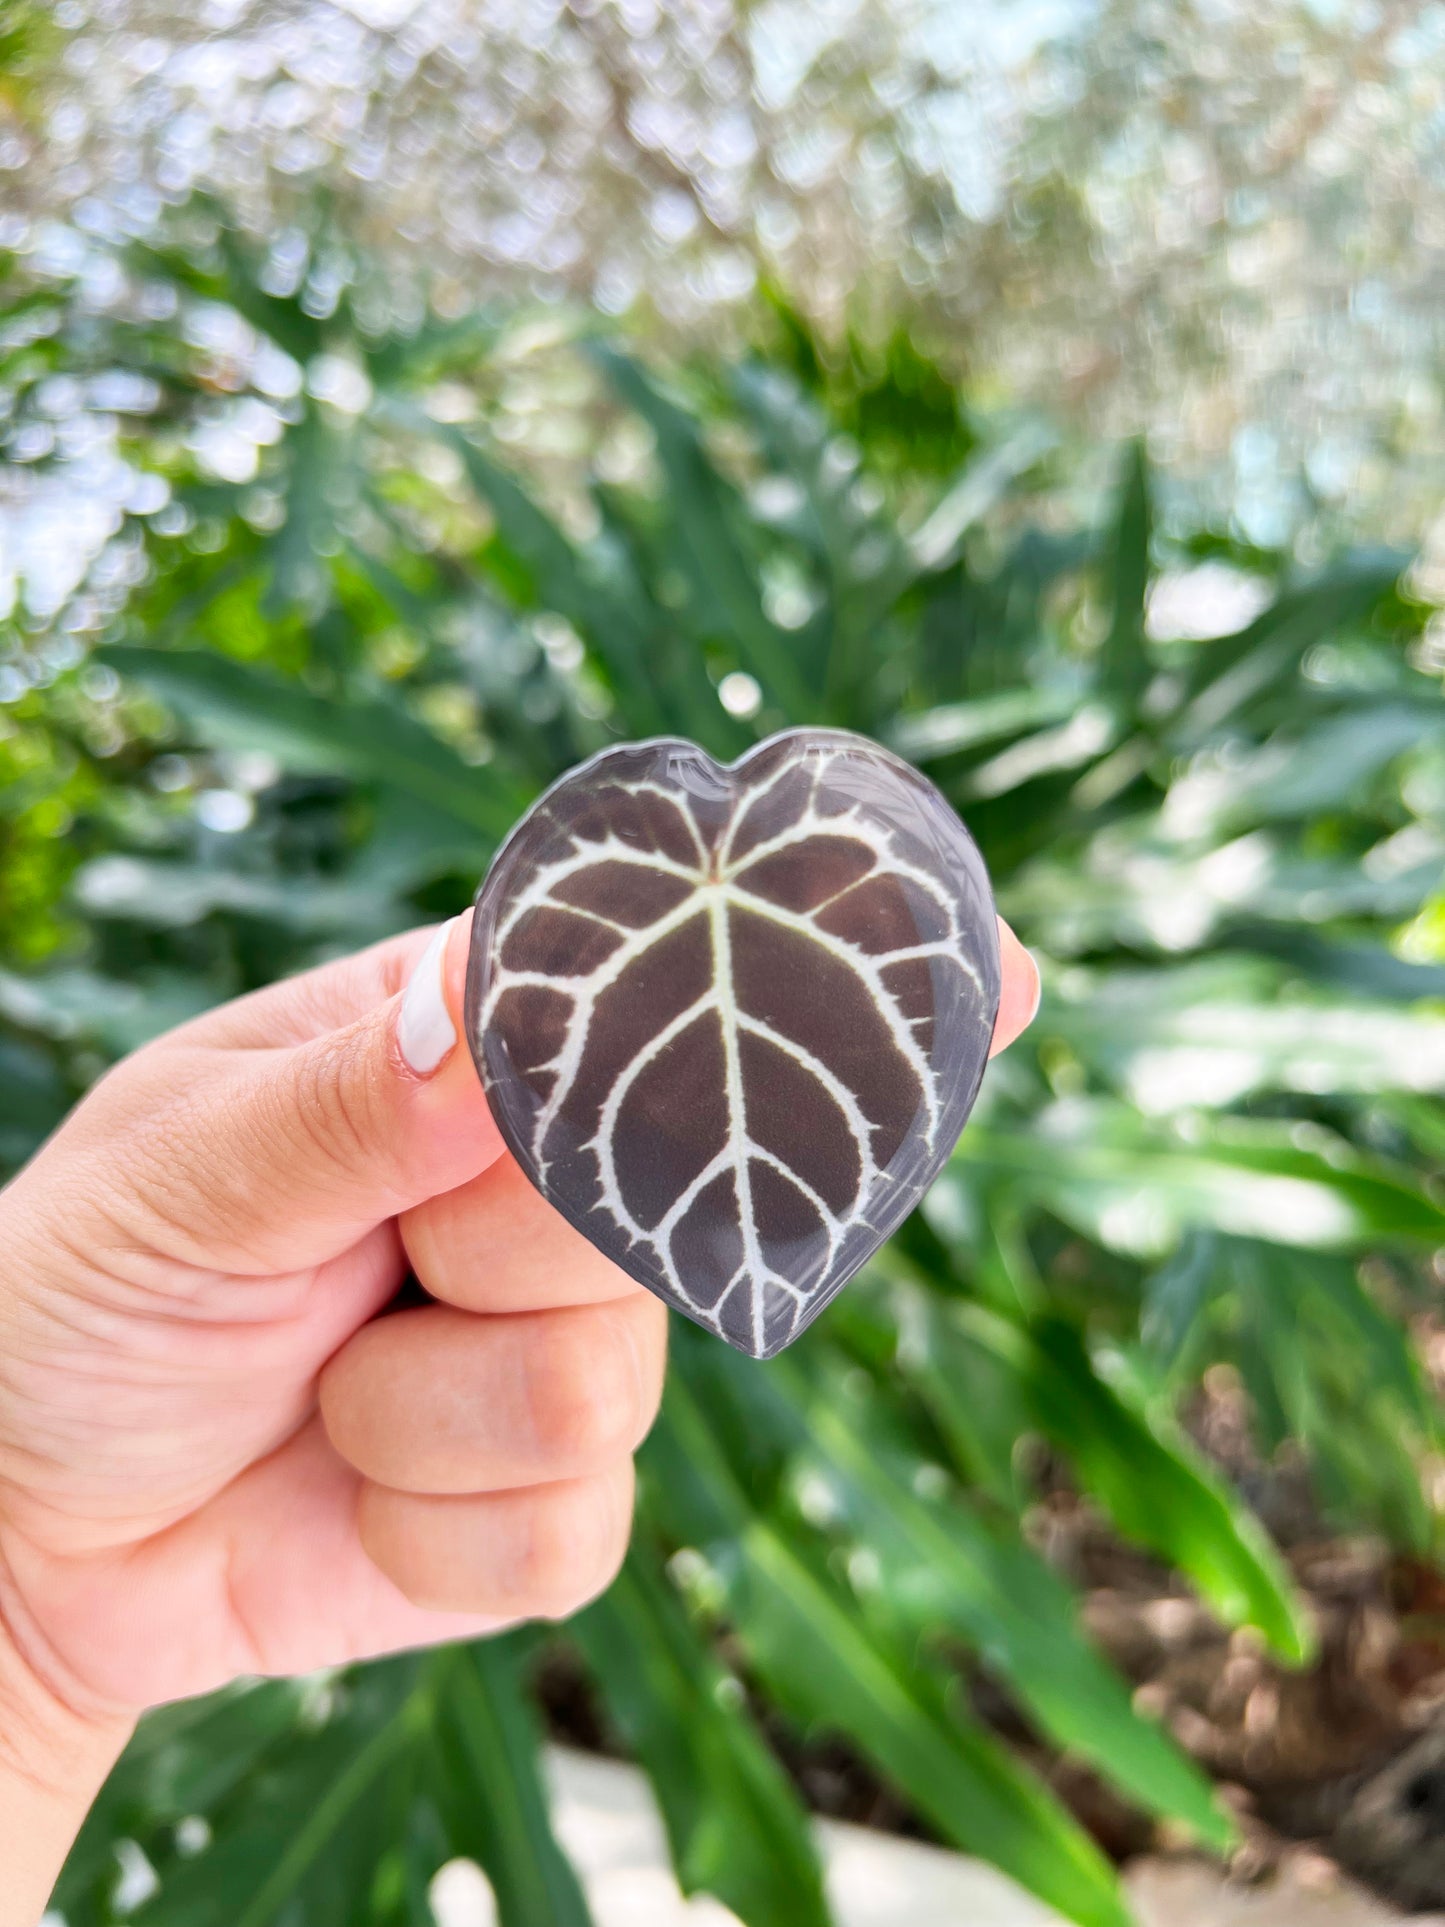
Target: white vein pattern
783	1286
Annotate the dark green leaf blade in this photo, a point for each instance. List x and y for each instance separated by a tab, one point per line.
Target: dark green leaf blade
237	704
491	1793
733	1820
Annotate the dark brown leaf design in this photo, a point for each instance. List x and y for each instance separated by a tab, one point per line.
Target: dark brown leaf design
732	1020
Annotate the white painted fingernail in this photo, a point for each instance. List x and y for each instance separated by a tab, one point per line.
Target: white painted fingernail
424	1030
1038	989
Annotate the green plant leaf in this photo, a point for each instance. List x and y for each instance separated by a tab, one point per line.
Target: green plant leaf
1156	1488
733	1820
490	1790
1213	1031
1331	1369
1135	1187
705	516
1125	663
816	1658
932	734
977	488
305	1838
945	1567
1228	675
240	706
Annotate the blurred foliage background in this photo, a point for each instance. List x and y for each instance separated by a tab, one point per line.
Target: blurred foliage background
336	525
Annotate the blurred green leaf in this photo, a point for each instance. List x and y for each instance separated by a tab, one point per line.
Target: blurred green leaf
303	1837
934	733
943	1566
173	895
979	487
1233	672
237	705
1329	1368
715	1781
118	1015
1155	1486
36	1099
1135	1186
814	1655
1212	1031
817	1658
704	517
1126	663
491	1791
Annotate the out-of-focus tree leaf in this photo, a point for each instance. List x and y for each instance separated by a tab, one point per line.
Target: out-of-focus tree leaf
817	1659
705	519
1126	663
944	731
172	895
1230	673
1330	1369
1219	1029
979	487
1303	773
832	1673
301	1837
35	1099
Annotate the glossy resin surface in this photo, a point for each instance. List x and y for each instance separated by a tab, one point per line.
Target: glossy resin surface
731	1019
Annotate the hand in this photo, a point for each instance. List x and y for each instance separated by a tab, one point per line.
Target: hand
215	1458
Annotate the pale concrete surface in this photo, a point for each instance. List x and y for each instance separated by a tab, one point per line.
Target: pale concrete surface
608	1823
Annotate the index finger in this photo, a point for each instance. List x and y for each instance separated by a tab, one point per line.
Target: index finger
494	1244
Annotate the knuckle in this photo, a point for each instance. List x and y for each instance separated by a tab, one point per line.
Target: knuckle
586	1392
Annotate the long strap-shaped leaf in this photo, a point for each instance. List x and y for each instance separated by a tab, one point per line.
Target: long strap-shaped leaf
608	605
185	1759
491	1793
943	1567
704	516
1156	1488
369	741
1133	1184
309	1835
816	1657
734	1823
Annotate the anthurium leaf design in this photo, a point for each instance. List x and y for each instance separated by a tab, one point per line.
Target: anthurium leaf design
731	1020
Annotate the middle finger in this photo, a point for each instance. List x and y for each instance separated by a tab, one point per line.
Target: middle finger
437	1400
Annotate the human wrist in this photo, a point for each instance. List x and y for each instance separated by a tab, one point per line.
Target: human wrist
54	1759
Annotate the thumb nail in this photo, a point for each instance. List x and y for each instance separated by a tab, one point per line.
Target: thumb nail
424	1030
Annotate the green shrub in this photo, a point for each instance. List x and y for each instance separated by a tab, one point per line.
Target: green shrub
320	697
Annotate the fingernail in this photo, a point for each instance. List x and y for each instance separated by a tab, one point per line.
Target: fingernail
424	1030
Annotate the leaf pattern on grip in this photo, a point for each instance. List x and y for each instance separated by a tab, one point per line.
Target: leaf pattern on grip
731	1020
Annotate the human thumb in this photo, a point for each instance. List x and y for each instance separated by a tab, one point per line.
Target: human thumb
280	1154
